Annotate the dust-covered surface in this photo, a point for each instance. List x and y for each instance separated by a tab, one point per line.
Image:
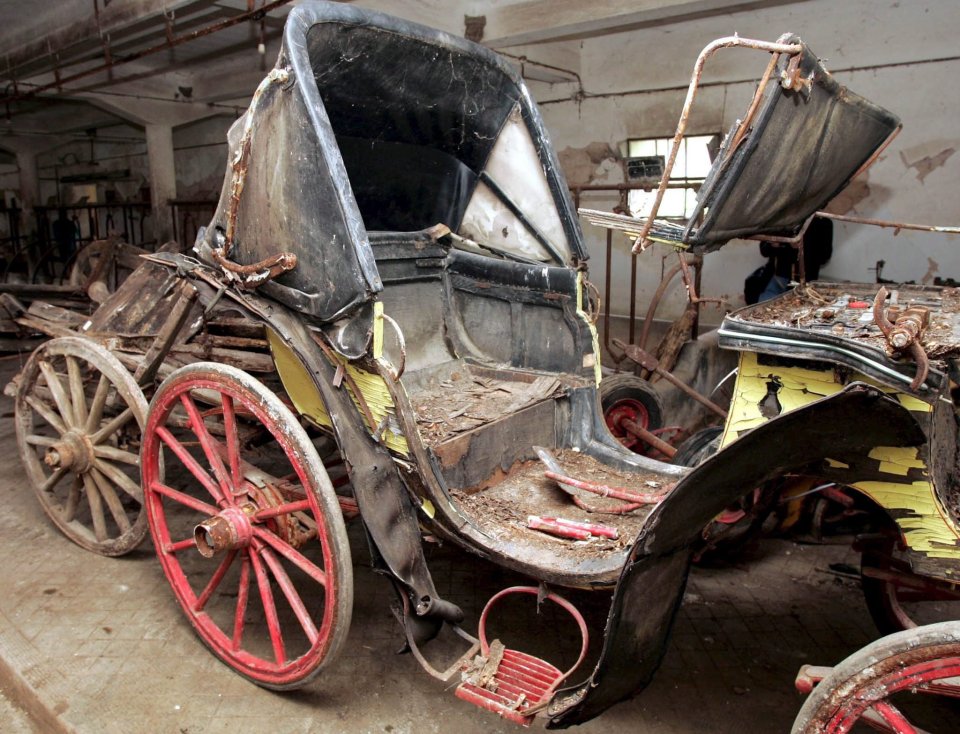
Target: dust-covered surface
502	510
846	310
470	398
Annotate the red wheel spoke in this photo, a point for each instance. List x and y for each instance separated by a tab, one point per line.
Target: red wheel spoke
292	555
214	581
266	514
892	715
296	603
208	443
190	463
243	594
269	609
183	499
232	440
180	545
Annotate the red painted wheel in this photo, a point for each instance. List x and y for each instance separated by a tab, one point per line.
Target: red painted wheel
246	525
875	685
897	598
626	398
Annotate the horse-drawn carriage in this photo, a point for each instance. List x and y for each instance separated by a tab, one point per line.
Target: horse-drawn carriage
396	257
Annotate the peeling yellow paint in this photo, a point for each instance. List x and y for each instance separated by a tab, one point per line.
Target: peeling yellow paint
307	400
897	459
924	527
911	403
594	337
837	464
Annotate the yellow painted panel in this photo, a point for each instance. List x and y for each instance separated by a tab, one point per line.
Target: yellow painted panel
837	464
897	459
307	400
911	403
917	511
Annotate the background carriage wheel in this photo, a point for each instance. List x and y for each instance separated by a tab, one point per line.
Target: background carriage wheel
877	683
895	607
246	525
628	397
79	416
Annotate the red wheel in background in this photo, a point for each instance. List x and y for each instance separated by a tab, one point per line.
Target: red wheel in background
625	398
249	532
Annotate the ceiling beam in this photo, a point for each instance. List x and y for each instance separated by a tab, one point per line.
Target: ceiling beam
540	21
109	19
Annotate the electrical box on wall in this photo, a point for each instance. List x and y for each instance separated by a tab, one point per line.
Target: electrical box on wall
645	167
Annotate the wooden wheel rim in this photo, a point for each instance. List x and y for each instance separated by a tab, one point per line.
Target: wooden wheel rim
93	459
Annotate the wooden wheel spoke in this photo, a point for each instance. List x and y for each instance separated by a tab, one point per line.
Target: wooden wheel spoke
43	410
293	598
77	398
214	581
109	495
207	443
73	500
96	405
291	554
243	594
115	475
96	508
191	464
114	454
269	610
894	717
112	426
183	499
56	390
51	481
35	440
232	440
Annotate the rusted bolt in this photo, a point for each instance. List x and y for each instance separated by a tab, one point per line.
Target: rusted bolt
52	458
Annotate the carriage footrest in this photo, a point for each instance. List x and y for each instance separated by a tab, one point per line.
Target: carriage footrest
519	683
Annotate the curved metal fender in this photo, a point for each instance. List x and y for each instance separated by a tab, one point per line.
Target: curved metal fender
652	582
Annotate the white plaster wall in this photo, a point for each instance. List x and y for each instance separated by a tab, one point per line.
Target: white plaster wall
200	153
901	55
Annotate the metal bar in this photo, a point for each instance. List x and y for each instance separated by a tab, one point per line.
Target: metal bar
889	224
644	435
168	44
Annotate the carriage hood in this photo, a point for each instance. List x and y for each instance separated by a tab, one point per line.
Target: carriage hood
372	123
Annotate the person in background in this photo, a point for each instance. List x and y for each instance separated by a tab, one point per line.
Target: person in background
775	276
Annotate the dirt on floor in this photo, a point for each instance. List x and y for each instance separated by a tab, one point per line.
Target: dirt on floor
503	510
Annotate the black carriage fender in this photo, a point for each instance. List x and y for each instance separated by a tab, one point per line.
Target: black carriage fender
651	585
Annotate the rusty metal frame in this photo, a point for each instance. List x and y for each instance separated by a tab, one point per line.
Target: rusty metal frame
792	49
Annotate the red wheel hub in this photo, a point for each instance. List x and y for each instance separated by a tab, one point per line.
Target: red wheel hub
229	529
626	410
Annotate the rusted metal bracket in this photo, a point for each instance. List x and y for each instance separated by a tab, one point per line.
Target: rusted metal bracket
651	363
905	333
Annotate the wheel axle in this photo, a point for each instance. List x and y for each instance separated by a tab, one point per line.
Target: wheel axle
229	529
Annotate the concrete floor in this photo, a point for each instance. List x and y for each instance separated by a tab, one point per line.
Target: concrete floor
91	644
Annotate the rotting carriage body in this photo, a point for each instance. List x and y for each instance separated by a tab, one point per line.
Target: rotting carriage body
396	223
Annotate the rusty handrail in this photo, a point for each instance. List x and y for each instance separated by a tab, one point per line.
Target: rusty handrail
642	241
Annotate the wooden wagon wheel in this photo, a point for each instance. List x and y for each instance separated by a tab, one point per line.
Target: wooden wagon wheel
250	537
78	416
875	685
